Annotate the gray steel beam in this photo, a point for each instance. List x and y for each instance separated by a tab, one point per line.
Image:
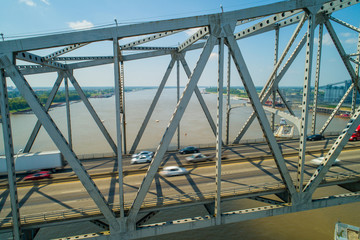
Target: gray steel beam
147	39
64	51
152	106
317	77
267	22
169	132
48	103
336	109
93	35
68	117
91	111
259	111
295	120
178	95
288	107
228	104
331	156
117	84
55	134
30	57
345	24
217	210
305	100
9	154
357	68
276	55
194	38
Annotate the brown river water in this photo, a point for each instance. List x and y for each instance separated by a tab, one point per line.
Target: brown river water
87	139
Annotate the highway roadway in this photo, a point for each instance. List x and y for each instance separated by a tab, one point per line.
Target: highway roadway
248	172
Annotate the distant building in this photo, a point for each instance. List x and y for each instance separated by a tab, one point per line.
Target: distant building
335	93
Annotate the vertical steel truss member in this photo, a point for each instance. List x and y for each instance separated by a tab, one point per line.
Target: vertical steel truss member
217	210
68	118
169	132
91	111
353	105
9	154
259	111
271	79
178	95
37	126
228	104
152	106
305	101
317	77
333	153
276	54
59	140
122	101
117	84
336	109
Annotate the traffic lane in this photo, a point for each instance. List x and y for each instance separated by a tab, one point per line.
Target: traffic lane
199	181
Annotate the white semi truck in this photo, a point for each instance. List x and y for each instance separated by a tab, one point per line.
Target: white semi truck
34	161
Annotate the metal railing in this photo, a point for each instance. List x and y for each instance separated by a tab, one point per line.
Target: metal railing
165	201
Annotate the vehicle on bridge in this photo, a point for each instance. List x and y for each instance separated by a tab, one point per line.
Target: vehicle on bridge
319	160
356	135
24	162
173	171
38	175
141	159
188	150
151	154
198	157
315	137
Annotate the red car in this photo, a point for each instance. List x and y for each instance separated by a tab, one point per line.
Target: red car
38	175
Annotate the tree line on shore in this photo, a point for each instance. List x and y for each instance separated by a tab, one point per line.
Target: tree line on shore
18	103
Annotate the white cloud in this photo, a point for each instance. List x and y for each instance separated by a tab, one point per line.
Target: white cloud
46	2
347	34
214	55
28	2
80	25
327	40
351	41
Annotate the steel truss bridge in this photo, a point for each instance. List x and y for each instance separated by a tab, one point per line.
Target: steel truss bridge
222	30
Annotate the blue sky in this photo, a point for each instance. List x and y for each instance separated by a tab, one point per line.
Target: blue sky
33	17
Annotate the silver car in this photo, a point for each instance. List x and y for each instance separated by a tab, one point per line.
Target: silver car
141	159
173	171
151	154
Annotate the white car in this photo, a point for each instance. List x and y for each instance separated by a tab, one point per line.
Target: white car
173	171
141	159
319	160
151	154
198	157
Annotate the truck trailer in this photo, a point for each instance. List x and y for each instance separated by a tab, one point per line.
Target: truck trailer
25	162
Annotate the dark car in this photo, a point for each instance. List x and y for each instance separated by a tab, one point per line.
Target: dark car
315	137
38	175
188	150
